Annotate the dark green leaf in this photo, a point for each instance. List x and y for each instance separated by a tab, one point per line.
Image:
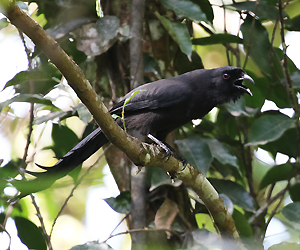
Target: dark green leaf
206	7
221	152
262	9
257	44
151	65
37	81
276	173
180	34
292	212
286	144
31	98
121	204
268	128
30	234
242	224
63	139
182	64
238	195
185	8
293	24
294	192
197	152
217	39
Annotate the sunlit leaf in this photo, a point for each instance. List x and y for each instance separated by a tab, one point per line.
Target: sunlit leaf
276	173
30	98
292	212
268	127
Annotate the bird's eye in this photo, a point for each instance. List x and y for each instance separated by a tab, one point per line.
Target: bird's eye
226	76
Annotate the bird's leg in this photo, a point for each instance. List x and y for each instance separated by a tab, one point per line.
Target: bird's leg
169	150
161	144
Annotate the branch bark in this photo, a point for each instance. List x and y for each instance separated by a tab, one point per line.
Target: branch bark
141	154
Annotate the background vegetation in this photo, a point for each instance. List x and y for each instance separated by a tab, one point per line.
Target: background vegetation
119	45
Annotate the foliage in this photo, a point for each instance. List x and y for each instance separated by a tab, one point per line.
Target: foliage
179	36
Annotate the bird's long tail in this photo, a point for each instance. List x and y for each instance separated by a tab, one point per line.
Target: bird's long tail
83	150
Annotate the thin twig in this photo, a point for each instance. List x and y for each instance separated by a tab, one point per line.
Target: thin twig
264	207
277	206
31	119
287	77
78	182
4	230
120	222
142	230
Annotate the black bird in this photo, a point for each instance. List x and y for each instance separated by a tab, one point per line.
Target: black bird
159	108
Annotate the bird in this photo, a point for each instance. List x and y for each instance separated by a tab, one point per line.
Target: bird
155	109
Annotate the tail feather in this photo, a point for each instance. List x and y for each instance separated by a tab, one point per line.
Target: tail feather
83	150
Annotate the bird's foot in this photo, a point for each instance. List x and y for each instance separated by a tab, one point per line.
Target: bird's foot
162	145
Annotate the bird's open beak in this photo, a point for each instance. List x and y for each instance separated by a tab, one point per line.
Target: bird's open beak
241	86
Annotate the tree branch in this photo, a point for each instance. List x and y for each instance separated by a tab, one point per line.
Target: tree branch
141	154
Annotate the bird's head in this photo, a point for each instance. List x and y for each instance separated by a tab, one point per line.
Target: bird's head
228	83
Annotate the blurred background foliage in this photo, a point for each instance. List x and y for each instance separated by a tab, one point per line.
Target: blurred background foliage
249	149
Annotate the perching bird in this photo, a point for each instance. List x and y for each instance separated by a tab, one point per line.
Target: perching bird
160	107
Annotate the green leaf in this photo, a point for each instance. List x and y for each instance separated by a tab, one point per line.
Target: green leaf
268	127
182	64
94	245
31	98
242	224
292	212
276	173
217	39
262	9
197	152
293	24
179	32
221	152
185	8
238	195
3	23
37	81
121	204
294	192
257	44
30	234
83	113
239	108
295	76
63	139
206	7
150	65
53	115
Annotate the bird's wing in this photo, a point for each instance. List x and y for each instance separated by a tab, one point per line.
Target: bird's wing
155	95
